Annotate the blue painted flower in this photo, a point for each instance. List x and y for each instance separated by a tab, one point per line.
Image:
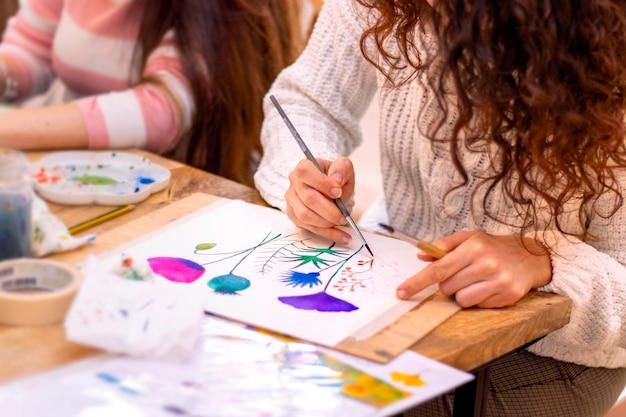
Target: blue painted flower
320	301
229	284
301	279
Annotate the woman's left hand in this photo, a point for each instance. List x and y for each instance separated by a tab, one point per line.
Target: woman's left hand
483	270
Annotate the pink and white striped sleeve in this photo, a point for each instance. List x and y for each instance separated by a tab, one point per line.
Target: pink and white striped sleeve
143	116
28	41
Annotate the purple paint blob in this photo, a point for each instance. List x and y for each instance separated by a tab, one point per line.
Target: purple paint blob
320	301
176	269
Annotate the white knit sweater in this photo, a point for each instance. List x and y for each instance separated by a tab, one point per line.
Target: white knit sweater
327	91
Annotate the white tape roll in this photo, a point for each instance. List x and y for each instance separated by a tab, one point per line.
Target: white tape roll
36	292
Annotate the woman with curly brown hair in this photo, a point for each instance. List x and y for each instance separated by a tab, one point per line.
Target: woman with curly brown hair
503	141
180	76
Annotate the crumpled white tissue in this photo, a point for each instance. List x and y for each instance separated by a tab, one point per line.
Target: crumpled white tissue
154	319
48	233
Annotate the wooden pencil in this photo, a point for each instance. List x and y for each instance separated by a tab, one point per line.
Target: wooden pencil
100	219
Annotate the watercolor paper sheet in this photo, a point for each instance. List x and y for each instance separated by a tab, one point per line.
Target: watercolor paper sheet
254	266
235	372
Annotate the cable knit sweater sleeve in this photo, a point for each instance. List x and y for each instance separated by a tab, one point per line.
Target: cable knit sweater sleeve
593	276
324	93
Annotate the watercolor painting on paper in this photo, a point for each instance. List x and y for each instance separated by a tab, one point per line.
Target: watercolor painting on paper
256	267
234	371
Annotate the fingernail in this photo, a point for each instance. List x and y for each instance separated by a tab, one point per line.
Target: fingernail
342	220
337	177
335	192
401	294
346	239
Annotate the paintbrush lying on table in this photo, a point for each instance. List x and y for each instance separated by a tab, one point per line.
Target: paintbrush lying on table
426	247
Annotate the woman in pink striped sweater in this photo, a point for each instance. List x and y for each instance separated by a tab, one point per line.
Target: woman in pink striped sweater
182	77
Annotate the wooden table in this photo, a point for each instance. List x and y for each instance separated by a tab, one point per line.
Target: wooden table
470	340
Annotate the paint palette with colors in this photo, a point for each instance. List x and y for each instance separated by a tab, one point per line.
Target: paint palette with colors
97	177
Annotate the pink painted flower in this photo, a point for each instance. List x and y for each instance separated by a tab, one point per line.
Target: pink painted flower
176	269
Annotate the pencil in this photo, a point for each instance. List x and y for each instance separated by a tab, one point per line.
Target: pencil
310	157
426	247
100	219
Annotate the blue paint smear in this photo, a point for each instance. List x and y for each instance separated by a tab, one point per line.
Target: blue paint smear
129	390
108	378
140	181
145	180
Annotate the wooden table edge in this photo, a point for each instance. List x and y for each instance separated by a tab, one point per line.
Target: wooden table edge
489	327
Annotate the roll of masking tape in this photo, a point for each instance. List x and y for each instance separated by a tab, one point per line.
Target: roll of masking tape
35	292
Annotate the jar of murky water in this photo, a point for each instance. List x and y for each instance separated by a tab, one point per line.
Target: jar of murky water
15	205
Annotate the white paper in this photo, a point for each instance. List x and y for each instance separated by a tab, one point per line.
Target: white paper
253	265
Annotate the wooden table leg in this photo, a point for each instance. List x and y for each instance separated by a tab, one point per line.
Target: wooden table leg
470	400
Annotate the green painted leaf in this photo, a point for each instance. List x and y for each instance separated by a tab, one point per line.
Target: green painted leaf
205	246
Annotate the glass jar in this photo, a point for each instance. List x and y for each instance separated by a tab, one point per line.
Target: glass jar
15	205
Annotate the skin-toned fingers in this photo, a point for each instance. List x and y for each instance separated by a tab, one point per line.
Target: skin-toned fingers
330	184
439	270
312	189
329	231
425	257
302	214
310	203
496	290
484	295
473	295
341	170
484	270
434	273
311	207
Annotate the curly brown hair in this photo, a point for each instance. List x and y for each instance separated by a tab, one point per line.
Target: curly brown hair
541	80
232	50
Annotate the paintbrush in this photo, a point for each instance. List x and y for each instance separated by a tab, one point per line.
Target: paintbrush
100	219
426	247
310	157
